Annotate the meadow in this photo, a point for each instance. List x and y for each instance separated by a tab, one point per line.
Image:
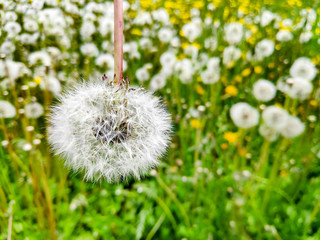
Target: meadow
241	82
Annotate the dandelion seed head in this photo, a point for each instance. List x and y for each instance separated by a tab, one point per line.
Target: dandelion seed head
243	115
109	131
33	110
7	110
275	117
303	68
293	128
264	90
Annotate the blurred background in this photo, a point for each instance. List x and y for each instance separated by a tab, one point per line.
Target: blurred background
241	81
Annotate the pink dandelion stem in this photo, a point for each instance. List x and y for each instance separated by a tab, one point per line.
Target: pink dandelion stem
118	40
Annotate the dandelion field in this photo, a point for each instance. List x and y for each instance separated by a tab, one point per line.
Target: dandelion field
241	82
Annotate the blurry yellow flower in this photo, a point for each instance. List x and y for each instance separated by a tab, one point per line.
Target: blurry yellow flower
181	56
271	65
278	46
317	31
238	79
37	79
174	20
314	103
226	12
271	76
242	152
278	105
231	137
224	146
169	4
315	60
231	90
195	123
197	45
251	40
258	69
198	4
132	15
199	89
184	45
246	72
224	79
283	173
136	31
145	3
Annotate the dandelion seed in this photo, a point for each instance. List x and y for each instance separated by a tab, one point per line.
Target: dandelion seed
109	131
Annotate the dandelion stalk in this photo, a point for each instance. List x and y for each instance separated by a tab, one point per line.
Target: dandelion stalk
118	40
263	161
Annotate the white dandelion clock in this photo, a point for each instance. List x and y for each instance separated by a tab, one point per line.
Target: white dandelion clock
7	110
109	131
268	133
264	90
275	117
293	128
297	88
233	32
303	68
33	110
244	116
263	49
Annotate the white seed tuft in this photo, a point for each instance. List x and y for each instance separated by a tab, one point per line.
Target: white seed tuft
109	131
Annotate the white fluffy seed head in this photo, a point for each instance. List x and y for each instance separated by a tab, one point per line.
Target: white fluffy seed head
244	116
33	110
264	90
109	131
293	128
7	110
275	117
297	88
268	133
303	68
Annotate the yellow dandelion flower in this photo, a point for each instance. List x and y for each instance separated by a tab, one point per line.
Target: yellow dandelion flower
238	79
195	123
283	174
271	65
136	31
197	45
314	103
242	152
278	105
184	45
224	146
200	89
246	72
224	79
181	56
37	79
271	75
258	69
231	137
231	90
198	4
